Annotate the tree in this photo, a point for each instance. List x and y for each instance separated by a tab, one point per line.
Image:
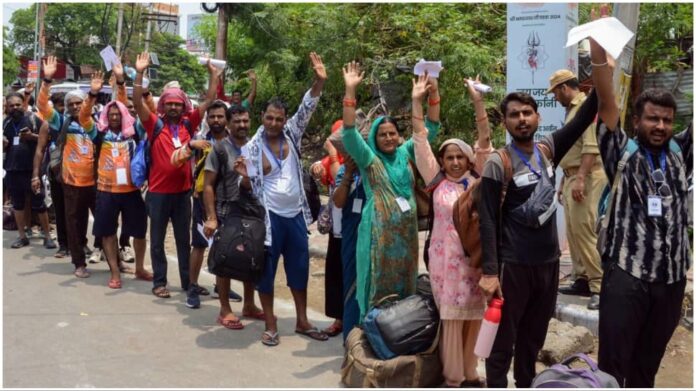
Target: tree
10	63
177	64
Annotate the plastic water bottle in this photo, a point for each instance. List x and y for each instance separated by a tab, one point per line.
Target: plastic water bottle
130	72
482	88
489	328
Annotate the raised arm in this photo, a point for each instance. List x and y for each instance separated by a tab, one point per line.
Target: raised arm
121	93
602	76
252	93
215	74
141	65
353	142
49	68
482	125
85	115
319	74
38	157
298	123
424	85
425	160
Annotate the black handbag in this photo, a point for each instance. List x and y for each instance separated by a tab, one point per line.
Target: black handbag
407	326
238	250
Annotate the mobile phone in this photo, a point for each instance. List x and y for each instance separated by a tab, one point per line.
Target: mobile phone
24	130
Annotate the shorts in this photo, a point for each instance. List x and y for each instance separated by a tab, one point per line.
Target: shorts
133	214
289	238
197	217
18	185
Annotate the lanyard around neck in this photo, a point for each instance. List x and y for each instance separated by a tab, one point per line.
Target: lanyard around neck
526	161
279	162
663	160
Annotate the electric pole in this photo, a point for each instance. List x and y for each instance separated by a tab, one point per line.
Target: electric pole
628	14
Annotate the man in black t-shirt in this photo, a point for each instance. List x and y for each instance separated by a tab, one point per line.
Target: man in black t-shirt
20	134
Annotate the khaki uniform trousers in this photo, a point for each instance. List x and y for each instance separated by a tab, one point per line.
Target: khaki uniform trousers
580	220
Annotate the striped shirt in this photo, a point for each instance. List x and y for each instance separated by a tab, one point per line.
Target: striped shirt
653	249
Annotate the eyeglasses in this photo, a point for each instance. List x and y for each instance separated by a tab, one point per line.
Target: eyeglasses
659	178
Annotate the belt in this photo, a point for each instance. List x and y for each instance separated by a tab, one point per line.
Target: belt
569	172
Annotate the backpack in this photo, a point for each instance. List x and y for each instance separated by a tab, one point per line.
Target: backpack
55	163
238	249
561	375
465	214
198	177
606	200
141	161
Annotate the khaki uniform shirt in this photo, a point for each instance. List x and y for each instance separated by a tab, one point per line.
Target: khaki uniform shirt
587	144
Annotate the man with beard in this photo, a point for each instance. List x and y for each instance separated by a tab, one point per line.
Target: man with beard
170	178
217	207
646	255
77	166
521	235
20	136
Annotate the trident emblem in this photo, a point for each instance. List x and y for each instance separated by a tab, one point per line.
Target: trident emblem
533	42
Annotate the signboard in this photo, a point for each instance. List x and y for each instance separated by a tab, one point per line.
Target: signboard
165	8
536	36
33	69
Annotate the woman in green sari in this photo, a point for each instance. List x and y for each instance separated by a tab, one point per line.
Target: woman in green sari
387	249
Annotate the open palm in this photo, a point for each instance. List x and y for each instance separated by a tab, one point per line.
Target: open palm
50	66
318	66
352	74
142	61
97	81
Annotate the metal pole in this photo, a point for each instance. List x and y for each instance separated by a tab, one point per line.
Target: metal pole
36	33
118	43
39	50
148	30
628	15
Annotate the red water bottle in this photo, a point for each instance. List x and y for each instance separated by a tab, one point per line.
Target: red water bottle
489	328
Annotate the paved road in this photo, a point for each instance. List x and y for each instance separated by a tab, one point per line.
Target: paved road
61	331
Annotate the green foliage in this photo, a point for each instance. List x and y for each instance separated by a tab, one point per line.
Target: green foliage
177	64
665	32
10	63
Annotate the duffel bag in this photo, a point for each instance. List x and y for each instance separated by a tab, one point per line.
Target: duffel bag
362	369
562	375
238	249
402	327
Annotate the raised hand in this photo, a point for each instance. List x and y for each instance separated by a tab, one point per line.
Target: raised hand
318	66
50	66
142	61
421	87
473	92
251	74
118	71
97	82
329	148
29	88
352	75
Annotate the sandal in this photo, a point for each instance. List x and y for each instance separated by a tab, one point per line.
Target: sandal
313	333
232	324
256	315
161	292
145	276
81	272
270	338
114	284
333	330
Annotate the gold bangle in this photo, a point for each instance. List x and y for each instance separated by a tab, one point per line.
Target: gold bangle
599	65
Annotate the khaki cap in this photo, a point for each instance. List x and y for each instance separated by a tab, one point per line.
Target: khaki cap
558	77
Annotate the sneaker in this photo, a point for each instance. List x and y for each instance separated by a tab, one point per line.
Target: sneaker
20	242
192	299
28	231
126	254
96	257
49	243
234	297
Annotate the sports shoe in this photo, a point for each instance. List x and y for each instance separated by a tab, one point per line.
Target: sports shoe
126	254
97	256
594	302
192	299
234	297
49	243
20	242
29	232
88	251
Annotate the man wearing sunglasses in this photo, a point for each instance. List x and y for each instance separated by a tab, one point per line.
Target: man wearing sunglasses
646	255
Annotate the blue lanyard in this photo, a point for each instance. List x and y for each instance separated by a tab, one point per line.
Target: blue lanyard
663	161
526	161
174	129
16	127
236	148
278	162
465	182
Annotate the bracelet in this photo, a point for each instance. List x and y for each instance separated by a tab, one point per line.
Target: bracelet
137	85
433	102
418	118
122	82
349	102
599	65
93	95
35	178
485	117
49	81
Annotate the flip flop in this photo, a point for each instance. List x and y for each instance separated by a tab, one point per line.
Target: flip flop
161	292
272	339
115	284
313	333
232	324
333	330
256	315
146	276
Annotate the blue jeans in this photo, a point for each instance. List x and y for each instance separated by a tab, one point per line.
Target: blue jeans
161	208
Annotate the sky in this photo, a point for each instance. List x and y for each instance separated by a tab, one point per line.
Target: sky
185	8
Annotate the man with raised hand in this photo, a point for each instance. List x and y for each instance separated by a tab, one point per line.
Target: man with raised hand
170	132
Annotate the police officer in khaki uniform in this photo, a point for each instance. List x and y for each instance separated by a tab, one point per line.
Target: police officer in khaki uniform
583	182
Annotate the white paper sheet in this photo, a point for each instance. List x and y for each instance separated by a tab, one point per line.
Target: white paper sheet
216	63
199	227
433	68
251	169
109	57
609	33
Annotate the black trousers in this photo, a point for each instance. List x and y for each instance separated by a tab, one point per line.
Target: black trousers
636	321
59	207
530	301
78	202
333	279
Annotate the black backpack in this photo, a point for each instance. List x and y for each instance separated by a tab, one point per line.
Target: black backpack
238	249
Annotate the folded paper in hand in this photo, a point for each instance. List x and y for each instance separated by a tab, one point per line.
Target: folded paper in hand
216	63
609	33
199	226
251	169
433	68
109	57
